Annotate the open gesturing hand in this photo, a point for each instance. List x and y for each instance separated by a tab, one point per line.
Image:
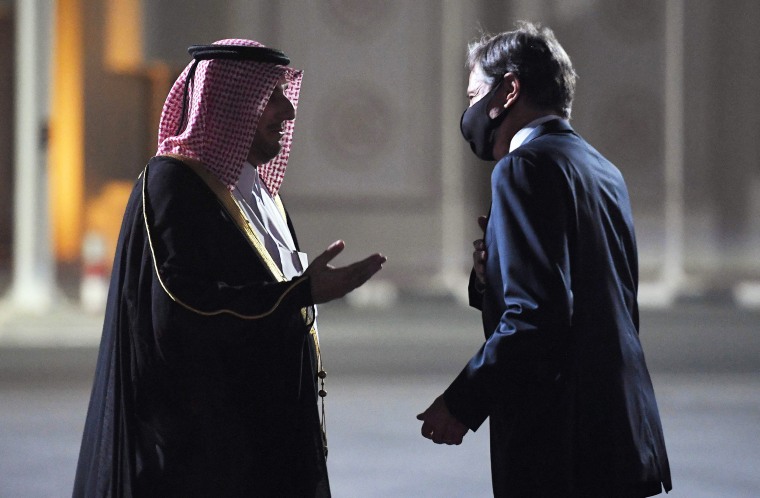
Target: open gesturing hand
329	282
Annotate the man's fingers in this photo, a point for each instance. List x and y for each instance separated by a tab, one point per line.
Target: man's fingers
372	265
440	426
427	424
448	434
453	441
483	222
358	273
328	283
374	261
426	430
447	437
453	432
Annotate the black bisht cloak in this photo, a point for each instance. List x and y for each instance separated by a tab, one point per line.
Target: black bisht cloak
205	383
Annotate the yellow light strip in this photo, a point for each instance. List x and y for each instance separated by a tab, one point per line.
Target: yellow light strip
66	160
123	35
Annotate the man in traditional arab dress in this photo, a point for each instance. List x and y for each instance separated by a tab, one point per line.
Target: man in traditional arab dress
209	371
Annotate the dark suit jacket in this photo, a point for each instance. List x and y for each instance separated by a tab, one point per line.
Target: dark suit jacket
562	373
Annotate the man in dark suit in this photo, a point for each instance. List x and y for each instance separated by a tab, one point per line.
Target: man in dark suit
561	374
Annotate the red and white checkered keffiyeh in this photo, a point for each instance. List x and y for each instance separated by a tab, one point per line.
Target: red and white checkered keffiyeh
225	101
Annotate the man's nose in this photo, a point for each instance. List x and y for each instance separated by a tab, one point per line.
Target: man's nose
291	110
286	109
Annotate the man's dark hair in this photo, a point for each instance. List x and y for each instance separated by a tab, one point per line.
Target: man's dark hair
534	55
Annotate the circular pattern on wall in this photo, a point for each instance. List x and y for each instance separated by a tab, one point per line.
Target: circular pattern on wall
358	123
358	19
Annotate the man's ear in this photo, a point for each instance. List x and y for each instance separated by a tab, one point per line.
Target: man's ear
511	86
506	96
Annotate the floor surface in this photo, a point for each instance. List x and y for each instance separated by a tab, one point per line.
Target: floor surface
387	365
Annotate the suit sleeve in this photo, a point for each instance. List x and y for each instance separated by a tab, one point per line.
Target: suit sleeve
527	247
191	241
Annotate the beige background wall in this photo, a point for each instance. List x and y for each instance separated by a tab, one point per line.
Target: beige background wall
377	148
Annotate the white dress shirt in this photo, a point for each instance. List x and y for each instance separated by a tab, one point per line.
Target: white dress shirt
268	223
521	135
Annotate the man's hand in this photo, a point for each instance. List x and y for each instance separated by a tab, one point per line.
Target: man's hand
440	425
479	254
328	282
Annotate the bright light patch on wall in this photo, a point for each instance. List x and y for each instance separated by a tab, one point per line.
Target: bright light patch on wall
123	44
67	132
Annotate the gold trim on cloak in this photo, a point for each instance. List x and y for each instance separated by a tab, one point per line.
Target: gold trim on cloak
234	210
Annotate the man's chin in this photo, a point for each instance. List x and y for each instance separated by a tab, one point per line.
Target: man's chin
261	156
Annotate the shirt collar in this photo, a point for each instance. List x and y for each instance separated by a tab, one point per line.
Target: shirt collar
248	183
521	135
247	176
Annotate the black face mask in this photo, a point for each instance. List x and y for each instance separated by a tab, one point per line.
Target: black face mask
479	129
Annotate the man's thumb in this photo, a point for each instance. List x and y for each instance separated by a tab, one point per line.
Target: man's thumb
332	250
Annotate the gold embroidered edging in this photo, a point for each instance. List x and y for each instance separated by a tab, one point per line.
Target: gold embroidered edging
280	207
233	209
180	302
227	200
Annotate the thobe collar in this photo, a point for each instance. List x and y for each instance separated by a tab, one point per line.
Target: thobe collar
267	221
249	183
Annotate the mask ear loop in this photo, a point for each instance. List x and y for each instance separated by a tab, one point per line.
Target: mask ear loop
185	96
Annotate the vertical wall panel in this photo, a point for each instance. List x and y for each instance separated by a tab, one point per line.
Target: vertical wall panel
6	133
367	125
365	162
